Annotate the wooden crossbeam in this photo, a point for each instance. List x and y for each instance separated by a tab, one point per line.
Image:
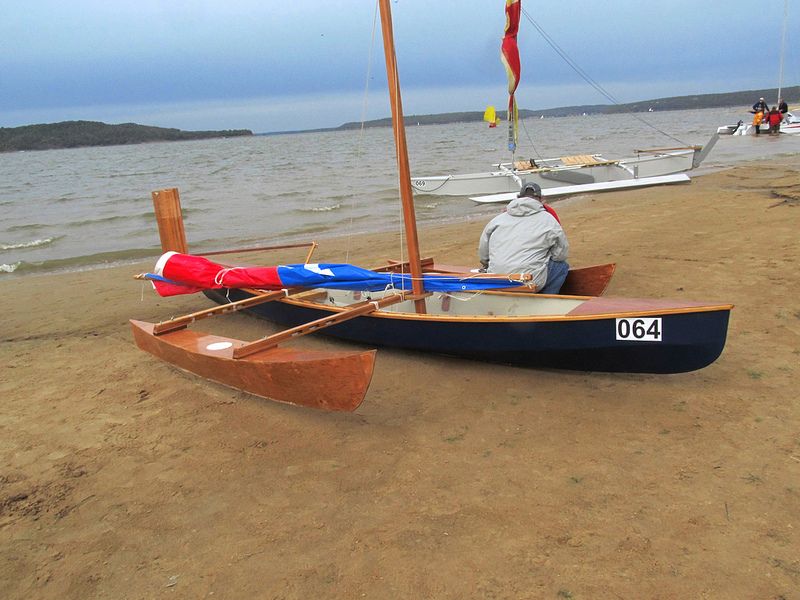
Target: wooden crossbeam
397	266
654	150
351	311
186	320
430	268
311	245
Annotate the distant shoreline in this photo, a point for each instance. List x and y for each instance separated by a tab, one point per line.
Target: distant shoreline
743	98
84	134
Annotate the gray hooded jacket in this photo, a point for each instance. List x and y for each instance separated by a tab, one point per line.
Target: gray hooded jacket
522	240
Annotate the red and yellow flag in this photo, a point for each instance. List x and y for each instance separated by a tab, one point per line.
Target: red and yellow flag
509	54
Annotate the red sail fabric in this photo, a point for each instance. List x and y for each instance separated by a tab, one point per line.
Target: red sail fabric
186	274
509	54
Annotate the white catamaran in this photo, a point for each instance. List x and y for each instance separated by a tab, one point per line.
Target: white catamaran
567	174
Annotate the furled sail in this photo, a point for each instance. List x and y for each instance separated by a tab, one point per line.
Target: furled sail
177	273
509	54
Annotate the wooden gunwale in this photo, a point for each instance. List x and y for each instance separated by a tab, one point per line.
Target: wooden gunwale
379	314
687	149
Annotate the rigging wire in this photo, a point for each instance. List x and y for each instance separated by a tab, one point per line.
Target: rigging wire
360	145
587	78
361	137
530	140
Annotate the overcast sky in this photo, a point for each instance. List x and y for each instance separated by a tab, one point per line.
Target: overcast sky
270	65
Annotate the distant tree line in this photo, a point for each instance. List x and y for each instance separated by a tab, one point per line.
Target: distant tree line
75	134
745	99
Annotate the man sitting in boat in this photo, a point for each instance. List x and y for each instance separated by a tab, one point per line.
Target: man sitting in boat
526	238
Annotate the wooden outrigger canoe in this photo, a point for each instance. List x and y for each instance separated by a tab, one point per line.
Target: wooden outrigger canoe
574	330
303	377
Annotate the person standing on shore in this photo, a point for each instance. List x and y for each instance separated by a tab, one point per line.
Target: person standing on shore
758	118
775	117
782	106
760	106
527	238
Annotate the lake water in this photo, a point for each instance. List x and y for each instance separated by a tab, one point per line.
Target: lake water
89	207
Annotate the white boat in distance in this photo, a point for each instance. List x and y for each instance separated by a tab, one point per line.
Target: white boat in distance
790	124
791	120
647	167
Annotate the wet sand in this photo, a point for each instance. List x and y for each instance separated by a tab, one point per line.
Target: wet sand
121	477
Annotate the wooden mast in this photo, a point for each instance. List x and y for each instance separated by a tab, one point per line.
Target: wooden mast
167	204
406	194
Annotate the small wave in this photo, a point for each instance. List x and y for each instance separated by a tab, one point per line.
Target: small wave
26	227
145	216
68	198
82	263
32	244
136	174
307	229
319	208
345	223
292	194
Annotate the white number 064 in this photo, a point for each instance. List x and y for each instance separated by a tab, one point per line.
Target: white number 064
639	330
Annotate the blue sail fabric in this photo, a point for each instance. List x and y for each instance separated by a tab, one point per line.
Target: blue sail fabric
349	277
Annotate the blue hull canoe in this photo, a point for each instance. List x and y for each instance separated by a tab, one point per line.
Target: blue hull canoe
562	332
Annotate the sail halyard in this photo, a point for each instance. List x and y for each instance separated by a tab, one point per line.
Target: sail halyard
406	194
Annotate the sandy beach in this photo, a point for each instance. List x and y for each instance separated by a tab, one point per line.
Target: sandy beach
121	477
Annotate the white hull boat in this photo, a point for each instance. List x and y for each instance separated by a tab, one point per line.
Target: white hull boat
568	172
790	124
791	120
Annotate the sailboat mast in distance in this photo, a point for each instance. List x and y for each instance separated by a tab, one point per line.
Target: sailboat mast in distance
783	47
509	54
406	194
